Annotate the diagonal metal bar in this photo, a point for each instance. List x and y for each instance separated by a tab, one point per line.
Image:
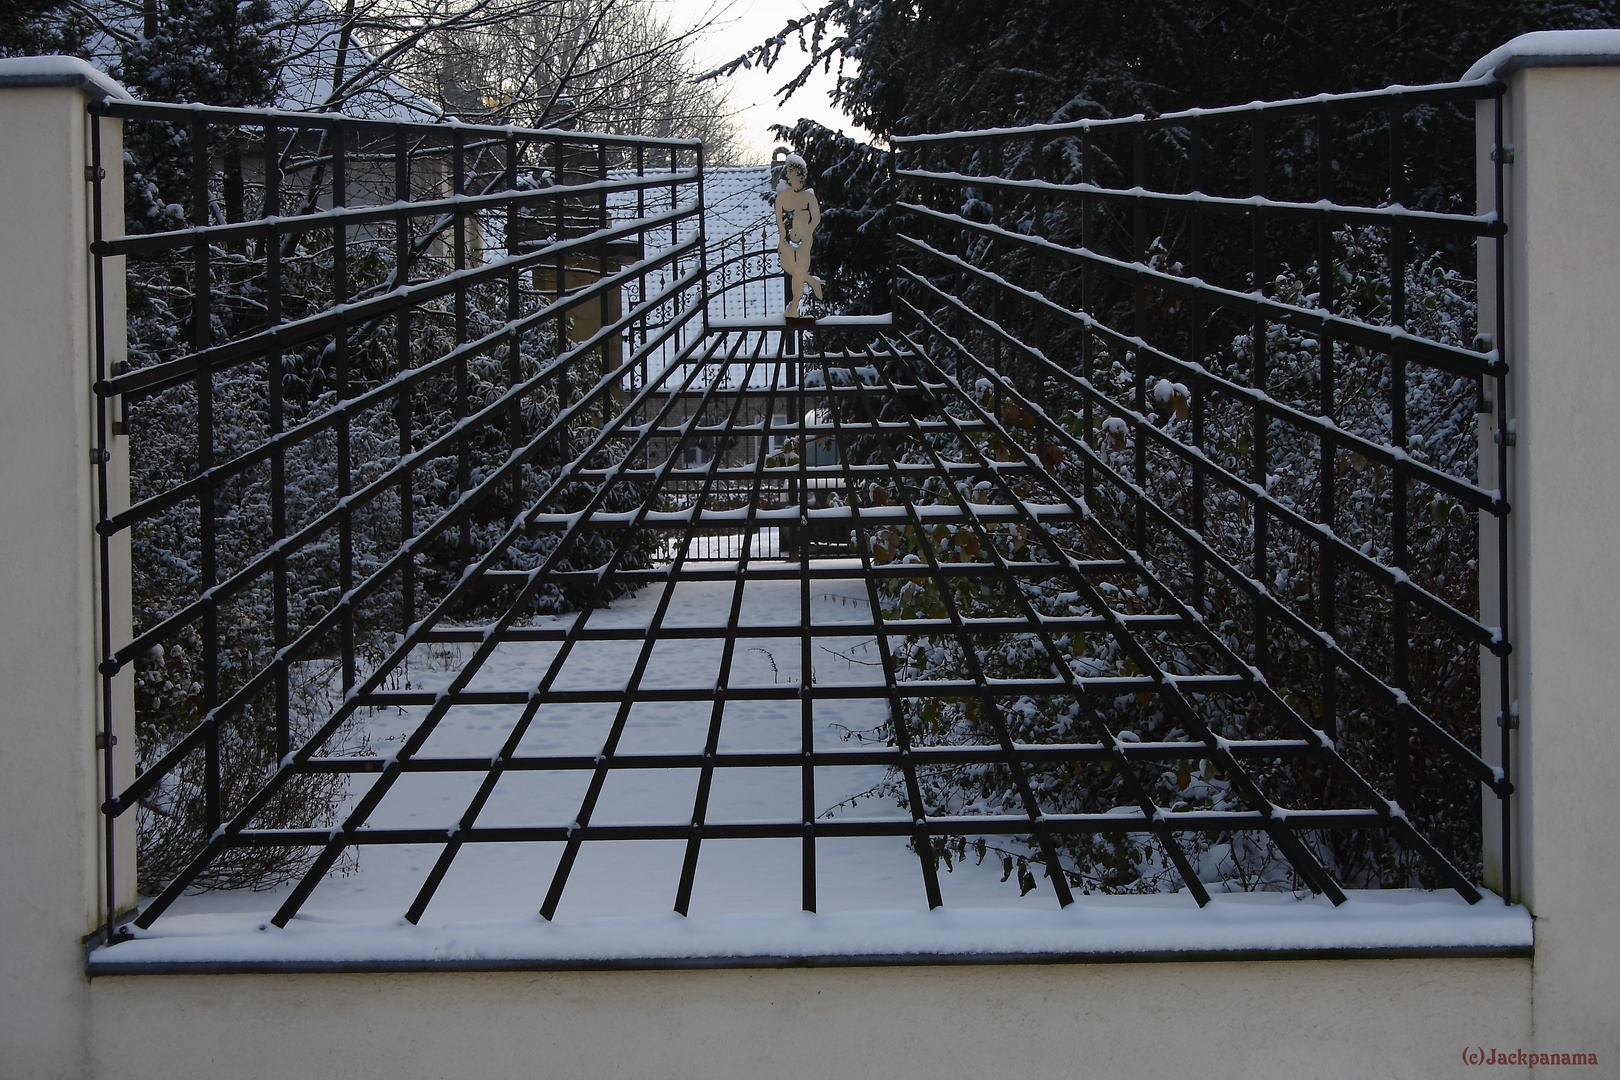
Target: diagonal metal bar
1258	685
468	819
1487	637
985	692
409	641
1152	814
367	803
722	682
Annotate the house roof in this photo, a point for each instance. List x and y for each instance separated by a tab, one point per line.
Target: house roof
307	36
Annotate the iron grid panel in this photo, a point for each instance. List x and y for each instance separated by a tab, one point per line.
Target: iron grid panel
1126	284
878	412
383	315
1023	534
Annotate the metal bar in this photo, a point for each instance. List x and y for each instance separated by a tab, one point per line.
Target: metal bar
313	633
158	377
1139	197
183	113
1435	94
1451	358
1261	595
109	837
1300	857
1483	635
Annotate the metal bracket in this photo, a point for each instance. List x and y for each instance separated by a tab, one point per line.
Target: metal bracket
102	738
92	173
1503	153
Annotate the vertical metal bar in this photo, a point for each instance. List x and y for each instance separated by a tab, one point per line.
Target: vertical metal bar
807	739
1327	464
1139	322
107	666
514	308
703	243
208	568
1038	278
603	350
340	359
458	167
995	256
402	361
640	336
559	205
1258	377
1088	345
1196	346
276	407
1503	594
1400	638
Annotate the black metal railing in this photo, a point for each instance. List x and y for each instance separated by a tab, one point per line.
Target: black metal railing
358	349
1247	336
745	274
1160	494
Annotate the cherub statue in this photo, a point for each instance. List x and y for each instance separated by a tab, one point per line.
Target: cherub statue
797	216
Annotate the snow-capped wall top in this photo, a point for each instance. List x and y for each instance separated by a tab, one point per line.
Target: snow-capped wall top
58	71
1549	48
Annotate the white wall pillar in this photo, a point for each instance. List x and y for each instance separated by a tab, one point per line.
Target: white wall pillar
1562	290
50	786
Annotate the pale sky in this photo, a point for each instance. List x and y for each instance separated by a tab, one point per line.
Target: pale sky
739	24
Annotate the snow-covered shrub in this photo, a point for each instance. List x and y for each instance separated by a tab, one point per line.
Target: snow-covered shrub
171	692
1441	540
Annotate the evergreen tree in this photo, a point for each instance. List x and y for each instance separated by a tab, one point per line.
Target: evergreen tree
911	66
36	27
212	52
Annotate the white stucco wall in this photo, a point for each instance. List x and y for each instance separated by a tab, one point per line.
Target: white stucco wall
48	786
1563	293
1363	1019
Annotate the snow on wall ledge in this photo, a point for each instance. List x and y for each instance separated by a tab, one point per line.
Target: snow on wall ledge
1549	48
1095	927
28	71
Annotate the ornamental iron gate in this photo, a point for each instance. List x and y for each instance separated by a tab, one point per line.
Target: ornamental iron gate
1157	498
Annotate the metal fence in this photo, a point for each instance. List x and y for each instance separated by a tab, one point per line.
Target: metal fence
1241	343
359	351
1160	491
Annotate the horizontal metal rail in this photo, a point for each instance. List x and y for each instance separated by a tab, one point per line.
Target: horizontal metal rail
1394	96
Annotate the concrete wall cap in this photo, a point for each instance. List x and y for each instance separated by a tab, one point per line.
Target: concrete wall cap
1549	48
26	71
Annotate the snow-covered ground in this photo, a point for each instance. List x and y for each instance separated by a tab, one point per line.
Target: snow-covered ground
746	900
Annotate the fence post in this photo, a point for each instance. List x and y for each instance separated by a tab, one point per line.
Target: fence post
1560	302
50	771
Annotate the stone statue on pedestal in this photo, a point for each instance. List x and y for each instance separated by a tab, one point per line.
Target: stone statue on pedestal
797	216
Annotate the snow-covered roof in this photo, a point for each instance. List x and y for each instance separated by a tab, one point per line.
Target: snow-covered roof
736	200
306	81
307	36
